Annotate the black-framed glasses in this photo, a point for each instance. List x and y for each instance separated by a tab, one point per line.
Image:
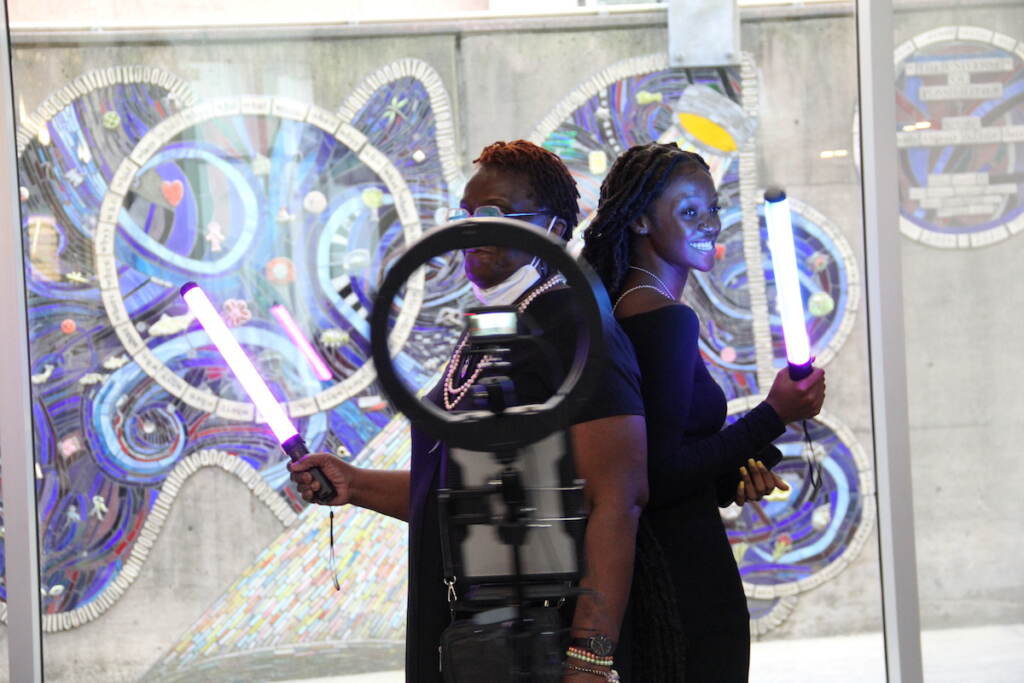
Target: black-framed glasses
457	213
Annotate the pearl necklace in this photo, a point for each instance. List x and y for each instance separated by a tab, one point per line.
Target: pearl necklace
454	394
663	289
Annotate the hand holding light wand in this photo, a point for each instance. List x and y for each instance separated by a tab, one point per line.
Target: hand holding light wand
790	302
289	438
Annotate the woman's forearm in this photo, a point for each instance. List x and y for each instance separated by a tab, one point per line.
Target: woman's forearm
383	491
611	456
610	544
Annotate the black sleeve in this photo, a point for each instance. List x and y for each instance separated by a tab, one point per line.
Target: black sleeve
618	389
703	460
539	366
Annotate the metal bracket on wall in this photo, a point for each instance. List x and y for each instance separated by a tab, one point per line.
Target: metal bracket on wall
703	32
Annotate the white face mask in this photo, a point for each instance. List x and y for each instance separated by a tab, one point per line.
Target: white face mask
515	285
509	289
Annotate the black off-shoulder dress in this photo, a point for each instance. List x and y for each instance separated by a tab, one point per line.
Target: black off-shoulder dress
693	467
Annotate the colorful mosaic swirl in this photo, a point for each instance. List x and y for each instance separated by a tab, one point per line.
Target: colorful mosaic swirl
131	188
639	101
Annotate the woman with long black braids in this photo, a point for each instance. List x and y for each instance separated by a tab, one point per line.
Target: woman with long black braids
657	219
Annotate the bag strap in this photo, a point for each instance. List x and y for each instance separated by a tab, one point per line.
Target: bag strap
448	562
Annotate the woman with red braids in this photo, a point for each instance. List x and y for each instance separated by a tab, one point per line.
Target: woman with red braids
521	180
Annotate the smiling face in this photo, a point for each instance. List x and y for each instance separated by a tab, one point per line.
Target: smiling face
683	221
510	191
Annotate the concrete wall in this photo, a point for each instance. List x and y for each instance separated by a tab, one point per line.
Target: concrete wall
964	372
962	307
205	12
215	530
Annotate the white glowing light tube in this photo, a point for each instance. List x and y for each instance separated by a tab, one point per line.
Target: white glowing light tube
244	370
787	282
274	415
284	317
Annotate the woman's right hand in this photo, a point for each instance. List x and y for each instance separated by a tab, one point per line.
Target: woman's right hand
338	472
797	400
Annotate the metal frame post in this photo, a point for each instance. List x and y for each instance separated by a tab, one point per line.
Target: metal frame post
17	455
884	283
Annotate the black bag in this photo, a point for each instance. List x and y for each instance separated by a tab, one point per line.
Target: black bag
472	651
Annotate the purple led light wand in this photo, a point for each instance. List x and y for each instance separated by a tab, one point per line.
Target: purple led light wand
790	303
275	416
787	283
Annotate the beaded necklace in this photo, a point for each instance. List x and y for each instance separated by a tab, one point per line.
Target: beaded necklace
453	394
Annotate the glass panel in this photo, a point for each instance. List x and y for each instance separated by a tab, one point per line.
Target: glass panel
167	517
289	165
809	563
959	79
4	661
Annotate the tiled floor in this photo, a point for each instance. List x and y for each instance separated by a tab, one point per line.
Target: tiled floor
990	654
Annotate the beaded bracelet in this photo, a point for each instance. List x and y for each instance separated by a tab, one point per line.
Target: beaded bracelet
610	675
588	657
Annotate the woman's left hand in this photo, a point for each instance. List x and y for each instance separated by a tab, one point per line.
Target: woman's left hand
756	482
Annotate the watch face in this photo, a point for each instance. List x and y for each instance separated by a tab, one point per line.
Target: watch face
600	644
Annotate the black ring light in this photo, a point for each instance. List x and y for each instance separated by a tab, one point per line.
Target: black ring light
483	430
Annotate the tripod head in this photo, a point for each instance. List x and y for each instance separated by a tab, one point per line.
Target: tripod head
516	426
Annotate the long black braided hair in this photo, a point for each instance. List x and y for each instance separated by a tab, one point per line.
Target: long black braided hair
635	180
658	651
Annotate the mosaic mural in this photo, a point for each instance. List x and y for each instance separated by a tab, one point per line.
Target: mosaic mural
131	186
960	117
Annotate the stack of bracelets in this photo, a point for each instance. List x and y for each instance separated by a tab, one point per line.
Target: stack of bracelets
587	657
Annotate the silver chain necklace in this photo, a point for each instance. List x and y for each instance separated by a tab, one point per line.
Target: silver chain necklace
662	289
665	289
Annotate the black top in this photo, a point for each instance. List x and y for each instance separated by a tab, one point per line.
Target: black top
535	380
693	462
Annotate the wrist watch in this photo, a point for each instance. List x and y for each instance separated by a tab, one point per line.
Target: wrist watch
600	644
